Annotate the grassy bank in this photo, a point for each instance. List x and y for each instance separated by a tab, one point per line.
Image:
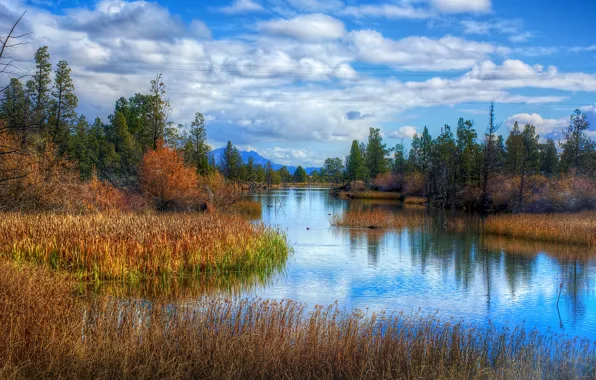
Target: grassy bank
369	195
135	246
49	333
377	219
578	228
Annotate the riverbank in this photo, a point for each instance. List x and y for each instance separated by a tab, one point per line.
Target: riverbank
577	228
52	333
131	246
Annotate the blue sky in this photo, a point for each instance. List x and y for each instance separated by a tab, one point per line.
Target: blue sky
297	80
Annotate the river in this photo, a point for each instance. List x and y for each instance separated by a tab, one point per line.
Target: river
425	270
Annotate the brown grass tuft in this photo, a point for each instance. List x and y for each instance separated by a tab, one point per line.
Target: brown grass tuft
579	228
377	219
49	333
133	246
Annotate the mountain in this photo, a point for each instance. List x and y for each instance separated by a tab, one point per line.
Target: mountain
259	160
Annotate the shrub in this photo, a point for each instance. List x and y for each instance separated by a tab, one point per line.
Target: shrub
388	182
167	182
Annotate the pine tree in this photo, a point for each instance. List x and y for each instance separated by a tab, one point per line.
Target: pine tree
196	150
515	150
159	109
549	158
63	107
231	162
530	159
376	153
38	87
300	175
355	163
576	145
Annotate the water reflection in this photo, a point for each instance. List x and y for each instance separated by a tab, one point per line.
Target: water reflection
464	275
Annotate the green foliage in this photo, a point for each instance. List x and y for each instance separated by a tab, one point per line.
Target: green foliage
231	164
333	169
63	107
355	169
196	150
300	175
577	146
376	152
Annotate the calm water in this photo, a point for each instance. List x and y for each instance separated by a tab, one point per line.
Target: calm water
427	270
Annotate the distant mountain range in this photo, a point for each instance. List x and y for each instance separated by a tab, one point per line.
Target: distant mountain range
259	160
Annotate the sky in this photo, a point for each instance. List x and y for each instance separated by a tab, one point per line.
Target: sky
298	80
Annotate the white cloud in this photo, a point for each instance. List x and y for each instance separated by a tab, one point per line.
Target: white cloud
581	49
511	27
390	11
461	6
421	53
407	132
316	5
242	6
543	126
314	27
200	29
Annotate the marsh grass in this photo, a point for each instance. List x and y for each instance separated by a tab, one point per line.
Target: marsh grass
132	247
246	207
50	333
373	195
377	219
578	228
415	200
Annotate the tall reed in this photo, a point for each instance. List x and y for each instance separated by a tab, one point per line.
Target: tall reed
135	246
377	219
578	228
50	333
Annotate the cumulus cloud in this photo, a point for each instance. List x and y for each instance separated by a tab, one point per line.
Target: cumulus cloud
242	6
263	89
544	127
390	11
407	132
461	6
421	53
314	27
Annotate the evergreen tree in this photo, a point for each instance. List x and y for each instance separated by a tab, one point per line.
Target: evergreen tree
196	150
285	175
300	175
467	149
376	153
355	163
231	162
576	144
14	107
399	158
124	146
159	109
38	87
63	107
515	150
530	159
549	158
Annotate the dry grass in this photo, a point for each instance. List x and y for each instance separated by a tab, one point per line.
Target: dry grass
415	200
134	246
579	228
50	333
377	219
246	207
370	195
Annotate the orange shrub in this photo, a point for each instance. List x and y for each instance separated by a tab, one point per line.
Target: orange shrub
167	182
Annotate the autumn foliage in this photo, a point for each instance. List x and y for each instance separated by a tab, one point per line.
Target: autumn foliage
167	182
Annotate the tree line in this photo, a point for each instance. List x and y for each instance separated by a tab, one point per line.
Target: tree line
43	110
463	167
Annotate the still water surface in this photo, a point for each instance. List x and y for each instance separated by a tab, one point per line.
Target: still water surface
426	270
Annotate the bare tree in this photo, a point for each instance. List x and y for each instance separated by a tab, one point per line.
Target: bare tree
8	144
